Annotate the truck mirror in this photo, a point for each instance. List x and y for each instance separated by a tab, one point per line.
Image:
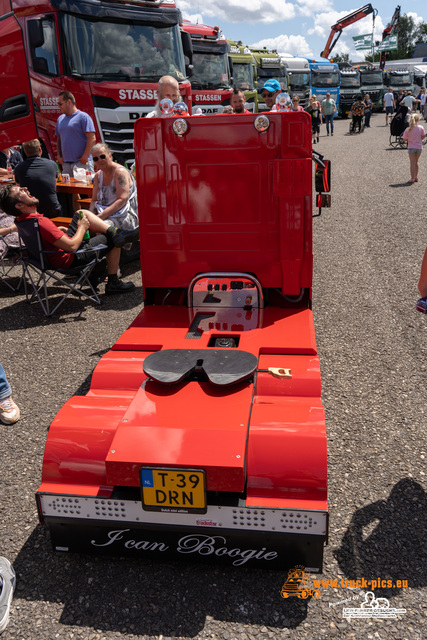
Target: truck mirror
187	45
40	65
35	33
189	70
323	200
322	178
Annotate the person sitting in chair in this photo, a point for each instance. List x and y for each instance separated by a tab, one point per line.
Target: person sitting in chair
18	202
114	191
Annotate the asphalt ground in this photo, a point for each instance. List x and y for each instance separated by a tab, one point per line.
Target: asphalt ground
372	344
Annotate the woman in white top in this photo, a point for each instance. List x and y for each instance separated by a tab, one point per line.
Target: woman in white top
114	191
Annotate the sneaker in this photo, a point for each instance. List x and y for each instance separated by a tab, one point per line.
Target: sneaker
122	237
7	587
332	134
314	141
9	411
118	287
422	305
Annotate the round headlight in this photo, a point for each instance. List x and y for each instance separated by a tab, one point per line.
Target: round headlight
180	126
261	123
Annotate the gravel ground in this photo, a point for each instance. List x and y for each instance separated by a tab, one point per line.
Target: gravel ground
372	343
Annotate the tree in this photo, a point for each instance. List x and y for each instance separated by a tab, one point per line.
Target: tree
345	57
408	35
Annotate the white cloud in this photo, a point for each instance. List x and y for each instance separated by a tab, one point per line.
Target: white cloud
297	45
415	17
265	11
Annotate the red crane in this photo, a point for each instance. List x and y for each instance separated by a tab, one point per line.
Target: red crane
337	28
391	27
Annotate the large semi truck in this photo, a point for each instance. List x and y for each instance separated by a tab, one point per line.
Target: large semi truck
268	66
202	436
109	54
298	73
372	82
210	80
242	66
349	89
325	78
400	77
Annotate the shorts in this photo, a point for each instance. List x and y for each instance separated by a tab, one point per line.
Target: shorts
389	109
415	151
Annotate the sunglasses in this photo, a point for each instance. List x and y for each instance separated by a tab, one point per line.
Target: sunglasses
267	95
102	156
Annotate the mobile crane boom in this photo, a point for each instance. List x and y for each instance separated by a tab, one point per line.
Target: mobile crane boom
390	28
337	28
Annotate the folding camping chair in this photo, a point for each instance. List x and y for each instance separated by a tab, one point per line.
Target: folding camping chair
36	266
10	262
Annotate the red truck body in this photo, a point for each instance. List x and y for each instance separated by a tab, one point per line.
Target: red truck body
109	54
203	433
210	82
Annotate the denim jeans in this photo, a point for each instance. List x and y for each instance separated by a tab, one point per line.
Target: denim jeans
329	121
5	390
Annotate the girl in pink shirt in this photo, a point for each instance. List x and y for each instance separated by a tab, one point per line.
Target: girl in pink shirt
415	135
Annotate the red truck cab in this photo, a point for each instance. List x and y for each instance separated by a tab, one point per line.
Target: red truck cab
210	82
110	54
17	118
203	433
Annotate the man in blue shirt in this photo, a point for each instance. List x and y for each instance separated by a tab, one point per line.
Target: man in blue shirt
76	135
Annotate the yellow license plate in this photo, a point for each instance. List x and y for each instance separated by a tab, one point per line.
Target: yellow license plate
173	490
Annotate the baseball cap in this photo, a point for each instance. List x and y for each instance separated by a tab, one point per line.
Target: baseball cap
271	85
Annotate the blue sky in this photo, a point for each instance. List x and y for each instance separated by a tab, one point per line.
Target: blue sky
301	27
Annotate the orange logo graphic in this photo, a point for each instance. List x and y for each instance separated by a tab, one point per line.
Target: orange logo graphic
298	583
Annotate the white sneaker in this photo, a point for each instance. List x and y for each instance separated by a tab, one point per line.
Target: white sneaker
9	411
7	587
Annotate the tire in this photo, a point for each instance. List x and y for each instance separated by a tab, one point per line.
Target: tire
394	141
351	129
403	143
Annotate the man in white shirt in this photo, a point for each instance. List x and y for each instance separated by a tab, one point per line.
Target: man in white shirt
409	101
389	104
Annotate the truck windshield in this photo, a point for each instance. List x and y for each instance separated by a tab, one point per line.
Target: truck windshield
299	80
348	82
268	74
210	71
401	80
325	79
124	52
243	75
372	78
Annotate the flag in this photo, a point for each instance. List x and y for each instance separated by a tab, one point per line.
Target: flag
363	42
388	44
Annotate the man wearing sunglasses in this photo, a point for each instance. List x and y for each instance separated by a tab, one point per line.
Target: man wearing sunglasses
269	92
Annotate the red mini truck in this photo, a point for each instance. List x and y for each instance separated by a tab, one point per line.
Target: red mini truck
203	436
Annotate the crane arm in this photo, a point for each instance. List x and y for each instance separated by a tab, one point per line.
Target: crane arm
337	28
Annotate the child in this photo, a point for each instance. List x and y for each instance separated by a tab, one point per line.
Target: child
415	135
314	110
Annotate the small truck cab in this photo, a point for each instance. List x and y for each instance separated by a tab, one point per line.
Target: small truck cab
203	433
